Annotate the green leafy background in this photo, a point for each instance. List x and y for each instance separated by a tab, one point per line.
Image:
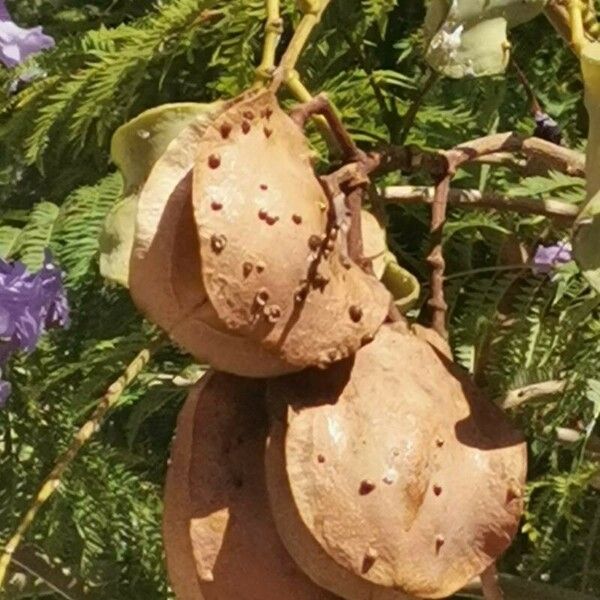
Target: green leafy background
511	328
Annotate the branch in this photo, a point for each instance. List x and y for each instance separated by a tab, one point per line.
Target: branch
52	482
435	259
532	392
492	149
313	11
273	31
553	209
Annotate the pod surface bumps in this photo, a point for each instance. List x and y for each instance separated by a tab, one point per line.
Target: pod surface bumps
220	538
393	476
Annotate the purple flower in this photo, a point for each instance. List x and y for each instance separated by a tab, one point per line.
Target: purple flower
30	304
548	258
17	43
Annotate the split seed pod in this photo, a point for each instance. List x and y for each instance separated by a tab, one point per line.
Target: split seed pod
272	262
390	475
165	271
469	37
219	535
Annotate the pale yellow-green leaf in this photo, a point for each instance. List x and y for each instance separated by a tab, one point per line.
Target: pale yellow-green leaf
138	144
116	240
403	286
469	37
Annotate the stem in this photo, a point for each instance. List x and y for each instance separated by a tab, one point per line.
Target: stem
436	261
313	10
553	209
411	114
320	105
578	39
52	482
273	31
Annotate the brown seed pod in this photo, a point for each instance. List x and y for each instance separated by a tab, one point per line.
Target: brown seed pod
272	214
164	277
219	535
390	475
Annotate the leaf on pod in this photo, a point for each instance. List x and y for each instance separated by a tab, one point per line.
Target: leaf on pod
390	482
135	148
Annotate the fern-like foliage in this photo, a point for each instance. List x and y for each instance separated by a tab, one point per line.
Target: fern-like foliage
509	326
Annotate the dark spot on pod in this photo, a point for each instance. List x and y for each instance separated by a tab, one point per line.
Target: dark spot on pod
262	297
356	313
269	113
272	313
216	205
245	126
367	339
248	114
218	242
371	555
262	214
268	132
366	487
301	294
439	542
214	161
437	490
439	442
314	242
238	482
333	233
333	356
247	268
225	130
321	458
297	219
271	220
330	245
264	186
320	281
511	495
260	266
346	263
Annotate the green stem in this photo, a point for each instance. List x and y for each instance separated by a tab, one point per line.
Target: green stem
273	31
52	482
313	10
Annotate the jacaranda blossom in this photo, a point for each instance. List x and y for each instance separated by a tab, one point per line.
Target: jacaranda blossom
30	304
547	258
17	43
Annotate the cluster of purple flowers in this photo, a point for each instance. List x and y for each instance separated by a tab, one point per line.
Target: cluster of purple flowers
17	43
549	258
30	304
